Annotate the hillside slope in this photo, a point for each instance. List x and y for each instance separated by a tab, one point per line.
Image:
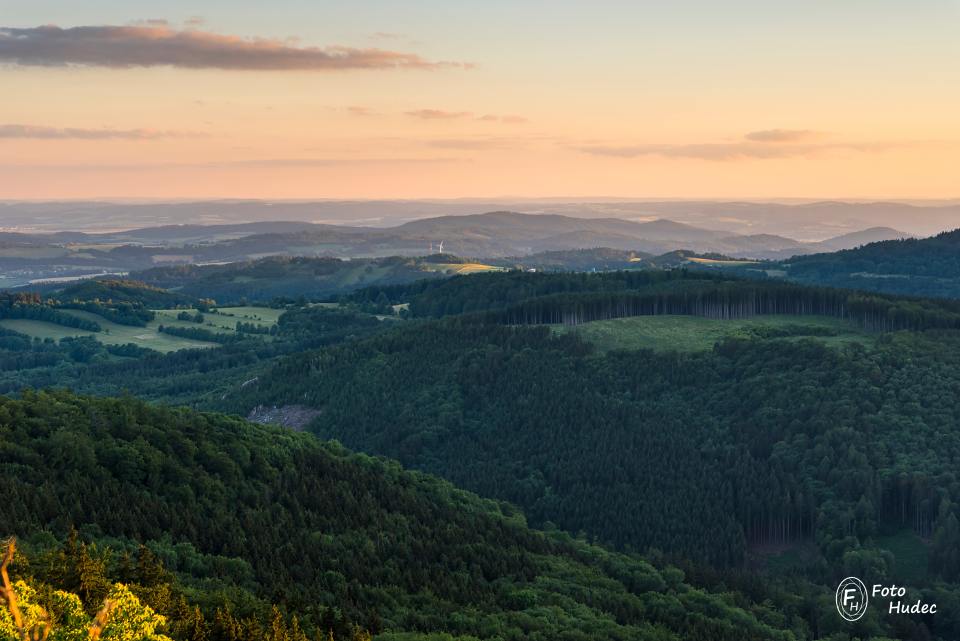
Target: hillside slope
922	267
282	277
778	439
275	514
33	258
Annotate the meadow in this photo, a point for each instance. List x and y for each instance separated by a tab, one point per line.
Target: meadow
222	321
715	262
224	318
462	268
695	333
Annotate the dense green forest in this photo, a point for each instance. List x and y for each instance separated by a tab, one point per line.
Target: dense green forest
918	267
767	467
744	437
212	519
190	377
123	291
577	260
133	305
286	278
838	453
535	298
30	306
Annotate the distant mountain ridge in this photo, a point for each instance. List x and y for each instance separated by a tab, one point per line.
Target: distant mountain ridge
492	235
803	220
864	237
475	228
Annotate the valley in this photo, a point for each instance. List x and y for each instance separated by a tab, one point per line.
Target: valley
479	321
575	409
504	237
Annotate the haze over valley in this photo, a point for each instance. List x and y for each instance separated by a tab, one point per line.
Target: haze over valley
806	221
480	321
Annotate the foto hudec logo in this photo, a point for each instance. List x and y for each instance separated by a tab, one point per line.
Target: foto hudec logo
852	598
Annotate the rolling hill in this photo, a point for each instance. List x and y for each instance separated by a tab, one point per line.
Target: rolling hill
26	258
864	237
922	267
248	515
805	220
281	277
816	435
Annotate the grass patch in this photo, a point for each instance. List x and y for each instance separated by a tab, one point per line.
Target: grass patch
720	263
359	274
112	334
249	314
32	252
223	321
693	333
461	268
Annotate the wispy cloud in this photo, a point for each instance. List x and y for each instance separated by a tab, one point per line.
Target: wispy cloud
507	120
358	110
470	143
783	135
161	45
152	22
60	133
757	145
496	142
438	114
323	162
256	163
709	151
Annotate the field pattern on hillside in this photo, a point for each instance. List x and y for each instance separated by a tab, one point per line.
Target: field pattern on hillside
223	321
695	333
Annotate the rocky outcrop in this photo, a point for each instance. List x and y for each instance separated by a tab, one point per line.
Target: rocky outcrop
296	417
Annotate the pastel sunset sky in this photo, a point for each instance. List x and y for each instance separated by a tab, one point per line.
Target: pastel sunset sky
430	98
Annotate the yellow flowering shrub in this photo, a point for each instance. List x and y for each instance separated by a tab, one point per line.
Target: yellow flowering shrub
123	618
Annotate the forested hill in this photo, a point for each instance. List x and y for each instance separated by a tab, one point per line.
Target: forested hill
538	298
248	515
744	437
843	457
122	291
919	267
279	277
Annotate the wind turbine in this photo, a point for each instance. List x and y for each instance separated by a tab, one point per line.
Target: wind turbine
441	246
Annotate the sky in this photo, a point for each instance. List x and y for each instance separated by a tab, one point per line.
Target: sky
440	99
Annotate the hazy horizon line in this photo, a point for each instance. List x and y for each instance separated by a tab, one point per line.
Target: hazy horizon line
494	199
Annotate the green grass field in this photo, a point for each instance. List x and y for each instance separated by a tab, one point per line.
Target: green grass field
462	268
112	334
720	263
693	333
222	321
